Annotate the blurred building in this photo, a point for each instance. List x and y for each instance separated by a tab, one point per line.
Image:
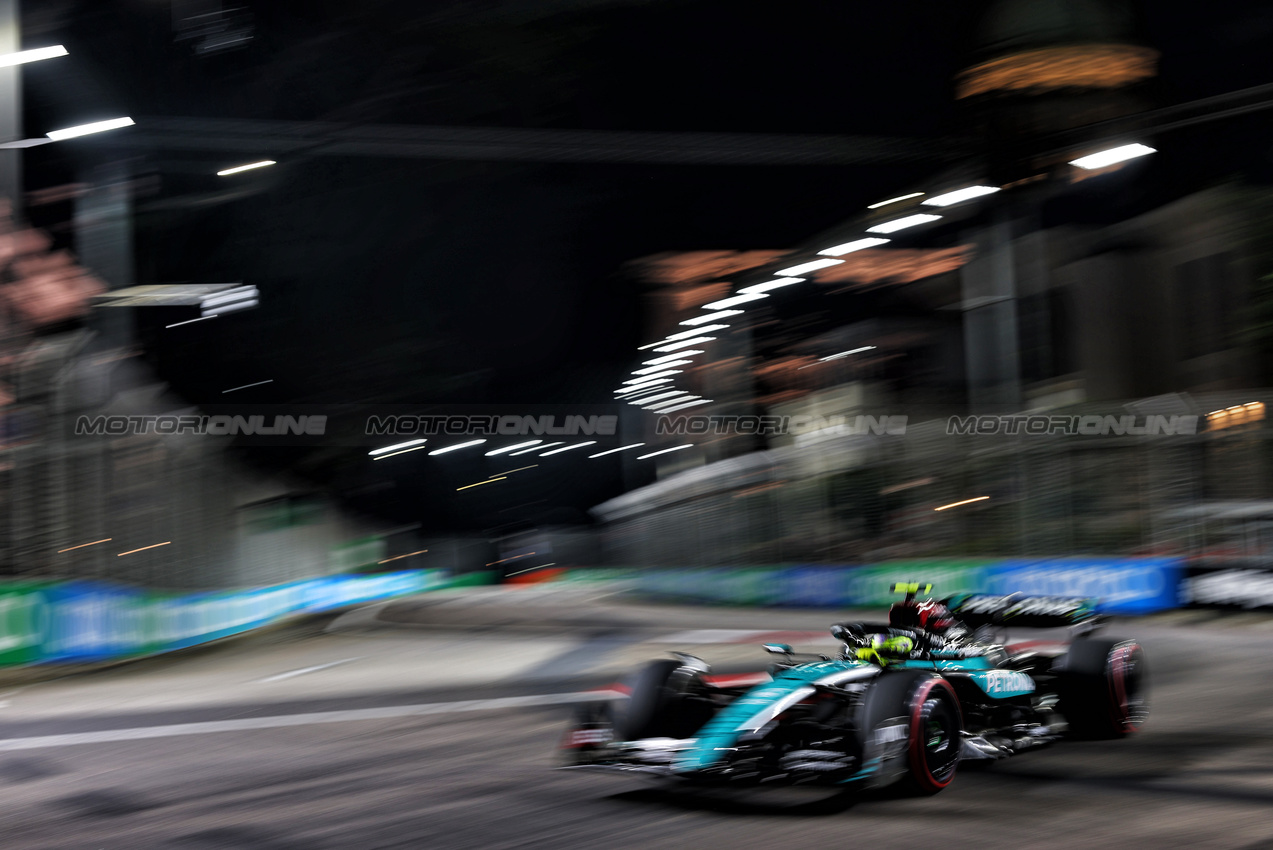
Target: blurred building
185	512
171	511
1128	290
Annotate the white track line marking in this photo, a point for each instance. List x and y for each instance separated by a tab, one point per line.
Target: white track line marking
713	636
285	720
302	671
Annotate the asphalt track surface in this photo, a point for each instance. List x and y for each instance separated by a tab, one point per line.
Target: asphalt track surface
388	736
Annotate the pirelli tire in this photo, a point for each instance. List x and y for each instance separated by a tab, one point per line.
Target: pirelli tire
1103	687
664	701
926	707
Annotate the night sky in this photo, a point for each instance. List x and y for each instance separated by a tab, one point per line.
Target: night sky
444	282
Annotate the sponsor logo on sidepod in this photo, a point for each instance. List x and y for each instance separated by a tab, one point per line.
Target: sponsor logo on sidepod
996	682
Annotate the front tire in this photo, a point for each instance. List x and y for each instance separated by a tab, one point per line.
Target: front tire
663	702
925	705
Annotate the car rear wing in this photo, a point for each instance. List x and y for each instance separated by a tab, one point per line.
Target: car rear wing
1032	612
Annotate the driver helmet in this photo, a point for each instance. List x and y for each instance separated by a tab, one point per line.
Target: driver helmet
931	616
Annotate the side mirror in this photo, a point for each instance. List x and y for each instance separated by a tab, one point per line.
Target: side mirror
840	632
693	662
777	648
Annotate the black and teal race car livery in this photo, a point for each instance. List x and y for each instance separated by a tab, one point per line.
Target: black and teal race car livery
906	700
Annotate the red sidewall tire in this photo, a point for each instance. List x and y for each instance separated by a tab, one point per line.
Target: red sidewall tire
1120	707
1102	686
920	773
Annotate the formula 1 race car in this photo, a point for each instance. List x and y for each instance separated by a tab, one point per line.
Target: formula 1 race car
906	701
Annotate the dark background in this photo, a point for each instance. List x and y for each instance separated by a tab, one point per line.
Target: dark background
430	281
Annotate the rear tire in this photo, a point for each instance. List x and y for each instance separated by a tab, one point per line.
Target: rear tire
934	725
1103	687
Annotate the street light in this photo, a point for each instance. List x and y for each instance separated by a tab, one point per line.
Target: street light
687	404
683	343
693	332
1122	153
225	172
777	283
463	445
804	268
846	353
855	245
666	357
659	367
902	223
710	317
619	393
726	303
22	57
646	378
907	197
86	129
960	195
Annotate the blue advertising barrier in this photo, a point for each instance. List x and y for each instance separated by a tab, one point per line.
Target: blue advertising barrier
90	621
1119	585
